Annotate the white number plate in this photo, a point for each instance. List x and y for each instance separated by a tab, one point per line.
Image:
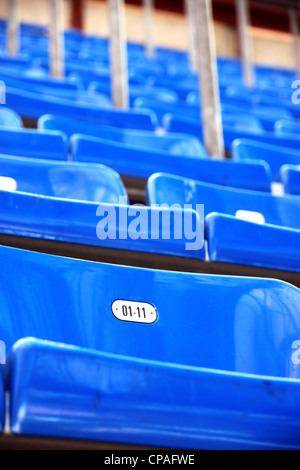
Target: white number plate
135	312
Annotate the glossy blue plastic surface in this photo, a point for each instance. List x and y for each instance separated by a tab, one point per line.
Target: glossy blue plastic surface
285	127
164	95
209	373
2	400
50	145
277	210
173	143
9	119
231	240
66	89
267	115
78	181
263	97
33	105
290	178
161	108
34	78
140	163
238	119
275	156
117	226
230	133
182	88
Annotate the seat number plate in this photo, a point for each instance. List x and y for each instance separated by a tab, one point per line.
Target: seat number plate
134	312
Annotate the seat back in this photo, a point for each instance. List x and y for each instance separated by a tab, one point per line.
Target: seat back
230	133
34	105
77	181
287	127
140	163
163	110
79	228
2	397
52	145
174	144
64	391
243	243
253	206
9	119
275	156
290	177
195	320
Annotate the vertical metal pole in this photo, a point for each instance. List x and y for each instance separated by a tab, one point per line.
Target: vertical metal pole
148	11
13	37
243	23
118	54
192	33
56	39
208	80
293	15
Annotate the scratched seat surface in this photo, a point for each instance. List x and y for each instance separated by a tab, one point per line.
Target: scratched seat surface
266	208
85	182
175	143
290	178
276	156
142	163
217	343
52	145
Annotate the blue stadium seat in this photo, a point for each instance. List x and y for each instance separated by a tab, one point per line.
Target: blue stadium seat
77	181
274	155
182	87
33	105
267	115
240	242
175	144
72	94
108	217
161	109
230	133
141	163
51	145
9	119
2	397
114	378
265	97
287	127
241	227
266	208
164	95
116	226
290	178
240	119
43	84
19	63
